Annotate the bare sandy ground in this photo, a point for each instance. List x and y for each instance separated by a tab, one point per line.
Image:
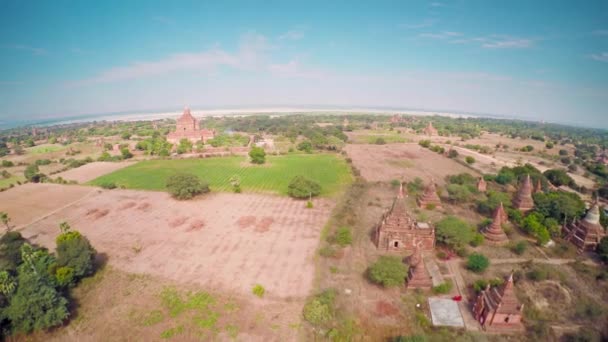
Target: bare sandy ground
92	170
221	241
29	202
396	161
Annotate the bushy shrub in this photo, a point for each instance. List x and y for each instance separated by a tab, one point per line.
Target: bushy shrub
185	186
344	236
258	290
477	262
470	160
302	187
443	288
387	271
519	248
380	141
320	309
108	185
257	155
75	252
454	232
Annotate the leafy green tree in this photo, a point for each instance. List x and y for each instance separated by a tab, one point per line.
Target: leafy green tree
559	177
126	154
344	236
74	251
32	173
257	155
533	225
387	271
126	135
320	309
185	146
477	263
380	141
453	154
185	186
7	284
235	181
5	219
105	156
454	232
302	187
5	174
469	160
493	200
305	146
36	304
10	250
415	186
7	163
425	143
559	205
459	193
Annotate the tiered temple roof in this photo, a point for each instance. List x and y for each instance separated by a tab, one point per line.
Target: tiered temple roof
538	187
482	186
587	233
418	276
397	229
429	197
430	130
494	233
187	127
523	201
499	308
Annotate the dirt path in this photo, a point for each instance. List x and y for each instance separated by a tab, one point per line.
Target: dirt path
464	305
541	261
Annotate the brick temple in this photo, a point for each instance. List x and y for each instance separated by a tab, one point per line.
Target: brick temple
429	197
430	130
418	276
397	230
498	308
586	233
482	185
523	201
493	233
188	128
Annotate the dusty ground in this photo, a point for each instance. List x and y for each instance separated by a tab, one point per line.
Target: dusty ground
396	161
91	171
29	202
220	241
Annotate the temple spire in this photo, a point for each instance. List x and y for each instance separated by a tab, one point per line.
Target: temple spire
494	233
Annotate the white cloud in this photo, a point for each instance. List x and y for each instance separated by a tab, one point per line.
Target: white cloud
600	57
293	69
36	51
440	35
422	24
437	4
508	43
292	35
600	32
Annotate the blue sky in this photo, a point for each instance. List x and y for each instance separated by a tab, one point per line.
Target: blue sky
529	59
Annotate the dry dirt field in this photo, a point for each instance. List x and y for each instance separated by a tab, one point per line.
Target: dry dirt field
221	241
29	202
91	171
396	161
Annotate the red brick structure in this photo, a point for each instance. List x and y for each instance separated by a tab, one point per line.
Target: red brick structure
345	123
418	276
523	201
494	234
482	186
430	130
429	197
395	119
587	233
538	187
397	230
499	309
188	128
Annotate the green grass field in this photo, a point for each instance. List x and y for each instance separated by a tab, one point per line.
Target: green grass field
45	149
330	171
5	182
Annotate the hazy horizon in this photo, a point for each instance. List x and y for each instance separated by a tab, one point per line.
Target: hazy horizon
522	60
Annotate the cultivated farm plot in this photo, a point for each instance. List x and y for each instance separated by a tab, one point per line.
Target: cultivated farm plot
397	161
330	171
91	171
226	242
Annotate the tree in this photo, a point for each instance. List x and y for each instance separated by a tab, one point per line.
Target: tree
380	141
549	145
533	224
257	155
387	271
185	186
559	205
5	219
74	251
126	154
105	156
454	232
10	250
344	236
559	177
235	181
7	163
477	263
184	146
459	193
305	146
452	154
470	160
302	187
126	135
602	249
31	173
563	152
36	305
425	143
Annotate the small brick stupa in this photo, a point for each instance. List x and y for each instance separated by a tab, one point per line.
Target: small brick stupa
499	309
538	187
429	197
494	233
523	201
482	186
430	130
397	229
418	276
586	233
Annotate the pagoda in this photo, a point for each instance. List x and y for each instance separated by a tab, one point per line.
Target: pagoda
430	130
538	187
587	233
523	201
494	233
397	230
482	186
429	197
188	128
499	309
418	276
